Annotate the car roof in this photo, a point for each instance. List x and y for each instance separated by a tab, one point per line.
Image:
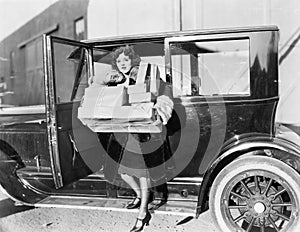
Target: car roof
162	35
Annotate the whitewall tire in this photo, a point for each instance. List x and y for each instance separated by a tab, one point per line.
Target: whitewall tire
256	193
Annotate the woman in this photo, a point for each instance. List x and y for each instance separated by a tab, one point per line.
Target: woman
137	156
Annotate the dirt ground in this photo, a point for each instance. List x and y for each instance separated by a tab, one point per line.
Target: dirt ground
27	219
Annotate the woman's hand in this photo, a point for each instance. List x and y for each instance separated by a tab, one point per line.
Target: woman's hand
112	77
164	107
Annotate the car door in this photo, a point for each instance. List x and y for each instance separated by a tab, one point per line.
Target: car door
75	150
208	73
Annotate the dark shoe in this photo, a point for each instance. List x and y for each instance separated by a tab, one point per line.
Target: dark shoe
145	221
134	204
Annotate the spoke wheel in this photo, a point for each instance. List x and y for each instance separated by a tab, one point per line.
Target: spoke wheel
256	194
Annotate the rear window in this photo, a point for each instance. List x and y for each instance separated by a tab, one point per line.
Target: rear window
210	67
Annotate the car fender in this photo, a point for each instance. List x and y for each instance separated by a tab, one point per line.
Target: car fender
247	144
10	184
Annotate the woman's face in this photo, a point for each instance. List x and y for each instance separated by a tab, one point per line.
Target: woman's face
123	63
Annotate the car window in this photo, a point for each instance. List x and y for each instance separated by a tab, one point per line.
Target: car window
150	52
70	71
210	67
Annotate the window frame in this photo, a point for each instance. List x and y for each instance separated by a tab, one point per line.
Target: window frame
206	38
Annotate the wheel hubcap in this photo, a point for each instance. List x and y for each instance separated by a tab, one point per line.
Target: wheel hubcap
259	207
258	203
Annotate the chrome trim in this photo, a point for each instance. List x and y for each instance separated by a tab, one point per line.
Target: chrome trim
50	110
187	179
184	183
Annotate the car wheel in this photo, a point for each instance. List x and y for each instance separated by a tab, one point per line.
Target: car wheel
256	194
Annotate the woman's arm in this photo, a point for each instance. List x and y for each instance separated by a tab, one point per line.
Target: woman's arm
164	103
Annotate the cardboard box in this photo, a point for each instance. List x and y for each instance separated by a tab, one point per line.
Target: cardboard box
104	108
128	113
105	96
137	88
113	126
154	79
137	118
141	75
141	97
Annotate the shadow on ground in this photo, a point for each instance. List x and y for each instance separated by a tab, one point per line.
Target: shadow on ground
185	220
8	207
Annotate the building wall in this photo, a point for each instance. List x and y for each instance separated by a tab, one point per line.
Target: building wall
119	17
57	20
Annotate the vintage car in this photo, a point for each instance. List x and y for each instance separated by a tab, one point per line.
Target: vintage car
221	134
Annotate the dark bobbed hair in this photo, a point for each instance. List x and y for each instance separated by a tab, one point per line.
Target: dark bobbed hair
128	51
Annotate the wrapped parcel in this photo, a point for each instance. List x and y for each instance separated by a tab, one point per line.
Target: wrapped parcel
120	108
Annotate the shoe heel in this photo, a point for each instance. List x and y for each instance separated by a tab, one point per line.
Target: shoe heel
147	219
145	222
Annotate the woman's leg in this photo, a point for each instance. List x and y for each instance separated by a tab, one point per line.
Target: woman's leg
133	184
144	216
145	192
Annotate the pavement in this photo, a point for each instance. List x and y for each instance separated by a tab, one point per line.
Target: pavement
28	219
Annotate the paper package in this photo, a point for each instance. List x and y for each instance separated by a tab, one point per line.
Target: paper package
95	97
121	109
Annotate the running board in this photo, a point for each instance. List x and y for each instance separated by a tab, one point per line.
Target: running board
185	208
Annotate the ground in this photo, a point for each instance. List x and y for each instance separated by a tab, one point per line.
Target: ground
27	219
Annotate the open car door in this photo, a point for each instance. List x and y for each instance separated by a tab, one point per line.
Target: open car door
75	150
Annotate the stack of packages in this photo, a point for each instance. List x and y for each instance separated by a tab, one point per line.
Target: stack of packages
121	109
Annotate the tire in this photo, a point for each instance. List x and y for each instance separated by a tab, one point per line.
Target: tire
256	194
